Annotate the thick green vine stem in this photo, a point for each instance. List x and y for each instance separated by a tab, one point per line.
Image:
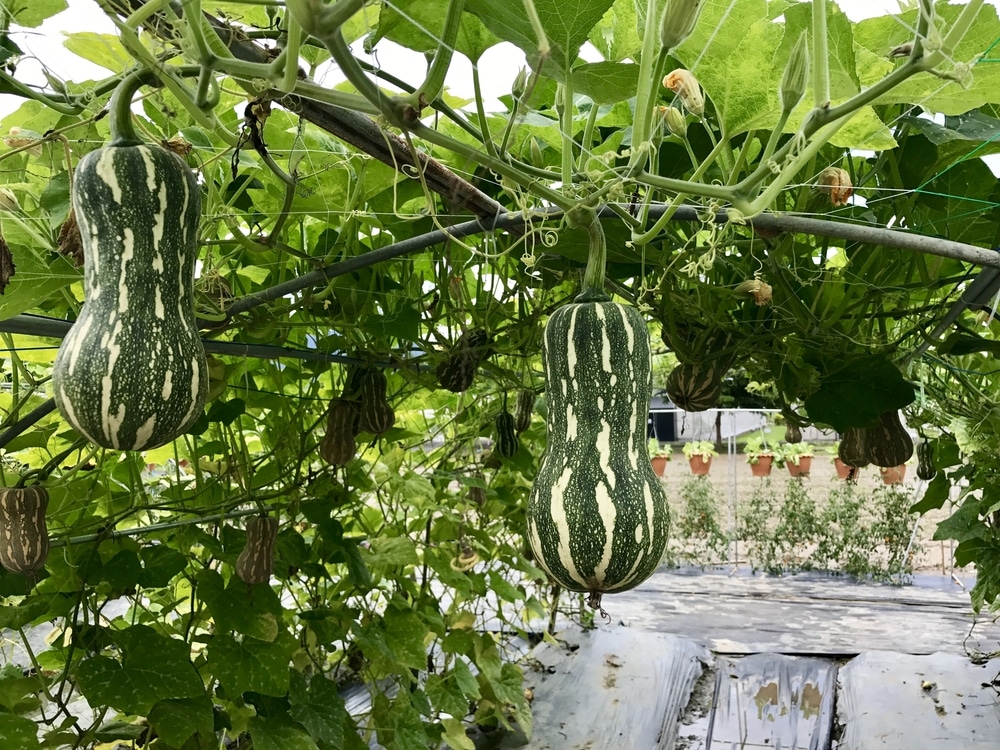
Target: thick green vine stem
593	276
123	132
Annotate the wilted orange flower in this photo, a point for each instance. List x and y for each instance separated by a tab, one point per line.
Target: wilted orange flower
836	182
685	85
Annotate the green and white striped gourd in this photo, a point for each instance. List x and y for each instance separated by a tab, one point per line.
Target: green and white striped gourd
131	373
597	514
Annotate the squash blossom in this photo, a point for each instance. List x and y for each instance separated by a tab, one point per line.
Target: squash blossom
675	121
836	183
793	80
678	21
685	85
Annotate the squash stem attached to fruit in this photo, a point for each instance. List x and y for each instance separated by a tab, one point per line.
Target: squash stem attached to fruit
593	276
123	132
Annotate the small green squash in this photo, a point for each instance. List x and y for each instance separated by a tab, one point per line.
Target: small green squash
852	447
131	373
506	442
338	445
24	536
376	415
925	460
597	514
256	561
458	371
524	407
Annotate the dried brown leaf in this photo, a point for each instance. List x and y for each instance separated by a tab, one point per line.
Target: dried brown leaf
69	242
7	267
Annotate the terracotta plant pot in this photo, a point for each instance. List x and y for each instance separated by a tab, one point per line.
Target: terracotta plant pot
699	465
801	469
763	466
894	474
843	470
659	464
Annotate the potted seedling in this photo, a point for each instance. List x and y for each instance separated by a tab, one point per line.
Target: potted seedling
699	455
759	455
659	456
798	458
893	474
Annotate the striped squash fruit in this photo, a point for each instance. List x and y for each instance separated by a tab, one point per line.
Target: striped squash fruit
597	514
24	536
925	460
375	415
457	372
852	448
256	561
524	407
695	387
507	443
888	443
338	445
131	373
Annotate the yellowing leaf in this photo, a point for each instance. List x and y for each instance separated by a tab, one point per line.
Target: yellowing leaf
101	49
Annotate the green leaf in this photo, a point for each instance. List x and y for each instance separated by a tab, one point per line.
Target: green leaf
446	695
236	607
101	49
959	343
880	34
252	666
19	732
393	552
119	729
17	616
935	496
398	723
54	199
316	705
606	82
277	733
732	51
34	282
16	692
160	564
31	13
854	393
417	24
122	571
566	25
403	324
964	524
617	35
405	633
465	679
176	720
34	438
227	412
455	736
140	680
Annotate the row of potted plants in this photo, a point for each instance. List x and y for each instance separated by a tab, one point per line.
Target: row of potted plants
796	457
